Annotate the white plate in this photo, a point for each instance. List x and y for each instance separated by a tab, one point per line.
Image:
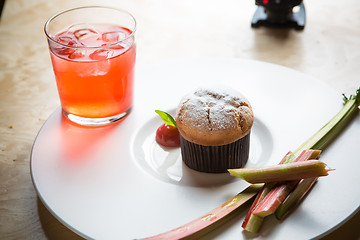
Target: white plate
117	183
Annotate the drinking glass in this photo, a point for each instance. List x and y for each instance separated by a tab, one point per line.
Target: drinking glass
93	55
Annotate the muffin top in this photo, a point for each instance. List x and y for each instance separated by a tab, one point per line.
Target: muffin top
213	117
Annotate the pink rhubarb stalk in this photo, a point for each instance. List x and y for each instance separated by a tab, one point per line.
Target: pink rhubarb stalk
273	199
294	197
253	222
320	140
276	196
206	223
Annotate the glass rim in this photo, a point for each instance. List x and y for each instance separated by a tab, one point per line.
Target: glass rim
98	47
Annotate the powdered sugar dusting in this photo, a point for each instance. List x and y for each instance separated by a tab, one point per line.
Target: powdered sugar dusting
213	109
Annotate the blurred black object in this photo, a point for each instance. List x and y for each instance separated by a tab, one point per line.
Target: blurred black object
2	2
279	14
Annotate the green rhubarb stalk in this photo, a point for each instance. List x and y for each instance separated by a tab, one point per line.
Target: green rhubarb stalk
320	140
281	172
294	197
273	199
198	227
255	223
276	195
305	155
324	136
255	220
209	221
252	223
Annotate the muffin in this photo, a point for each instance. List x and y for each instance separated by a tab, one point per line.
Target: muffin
214	126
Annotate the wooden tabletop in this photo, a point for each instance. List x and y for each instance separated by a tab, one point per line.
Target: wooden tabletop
328	49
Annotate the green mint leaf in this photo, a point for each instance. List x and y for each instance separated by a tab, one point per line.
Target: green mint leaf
167	118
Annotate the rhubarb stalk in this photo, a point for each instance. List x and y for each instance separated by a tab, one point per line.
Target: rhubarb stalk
319	140
253	222
281	172
294	197
206	223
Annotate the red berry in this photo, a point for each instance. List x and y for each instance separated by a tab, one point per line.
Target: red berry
168	136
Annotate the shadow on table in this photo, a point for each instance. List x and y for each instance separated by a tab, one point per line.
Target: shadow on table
52	228
278	46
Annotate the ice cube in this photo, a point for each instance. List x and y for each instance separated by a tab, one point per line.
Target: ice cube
86	34
97	68
114	47
65	51
113	37
67	40
101	54
76	54
88	38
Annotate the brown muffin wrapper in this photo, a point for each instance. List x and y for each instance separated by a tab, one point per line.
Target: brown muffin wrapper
215	159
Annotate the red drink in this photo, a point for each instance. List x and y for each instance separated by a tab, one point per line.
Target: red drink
94	69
